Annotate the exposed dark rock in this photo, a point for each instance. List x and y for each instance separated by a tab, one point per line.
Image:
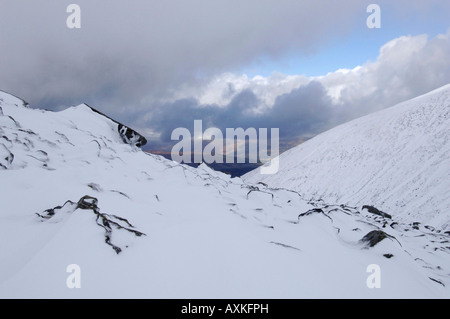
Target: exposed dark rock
6	157
121	193
285	246
17	124
311	211
393	224
88	202
261	183
252	188
388	256
438	281
128	135
98	145
24	103
95	187
106	221
30	132
376	211
49	213
374	237
256	189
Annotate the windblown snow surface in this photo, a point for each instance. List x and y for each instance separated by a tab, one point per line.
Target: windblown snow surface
397	159
72	191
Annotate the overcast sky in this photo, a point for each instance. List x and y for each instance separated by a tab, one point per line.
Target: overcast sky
299	65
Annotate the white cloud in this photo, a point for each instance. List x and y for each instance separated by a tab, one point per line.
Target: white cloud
221	90
406	67
137	60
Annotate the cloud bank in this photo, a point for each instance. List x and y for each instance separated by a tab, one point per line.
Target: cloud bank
302	107
158	65
126	51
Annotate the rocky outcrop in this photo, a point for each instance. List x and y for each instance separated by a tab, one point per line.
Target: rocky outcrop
374	237
376	211
106	221
128	135
6	157
18	101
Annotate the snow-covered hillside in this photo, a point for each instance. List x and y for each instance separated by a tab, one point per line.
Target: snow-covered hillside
397	160
74	191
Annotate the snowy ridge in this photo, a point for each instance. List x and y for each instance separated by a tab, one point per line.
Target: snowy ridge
140	226
396	159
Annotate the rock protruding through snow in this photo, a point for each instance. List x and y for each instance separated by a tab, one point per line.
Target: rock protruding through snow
128	135
374	237
376	211
6	157
106	221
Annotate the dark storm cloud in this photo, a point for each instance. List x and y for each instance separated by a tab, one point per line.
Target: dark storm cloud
302	112
182	113
406	67
127	51
131	56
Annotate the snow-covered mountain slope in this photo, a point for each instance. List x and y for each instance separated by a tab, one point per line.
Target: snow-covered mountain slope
75	192
397	160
